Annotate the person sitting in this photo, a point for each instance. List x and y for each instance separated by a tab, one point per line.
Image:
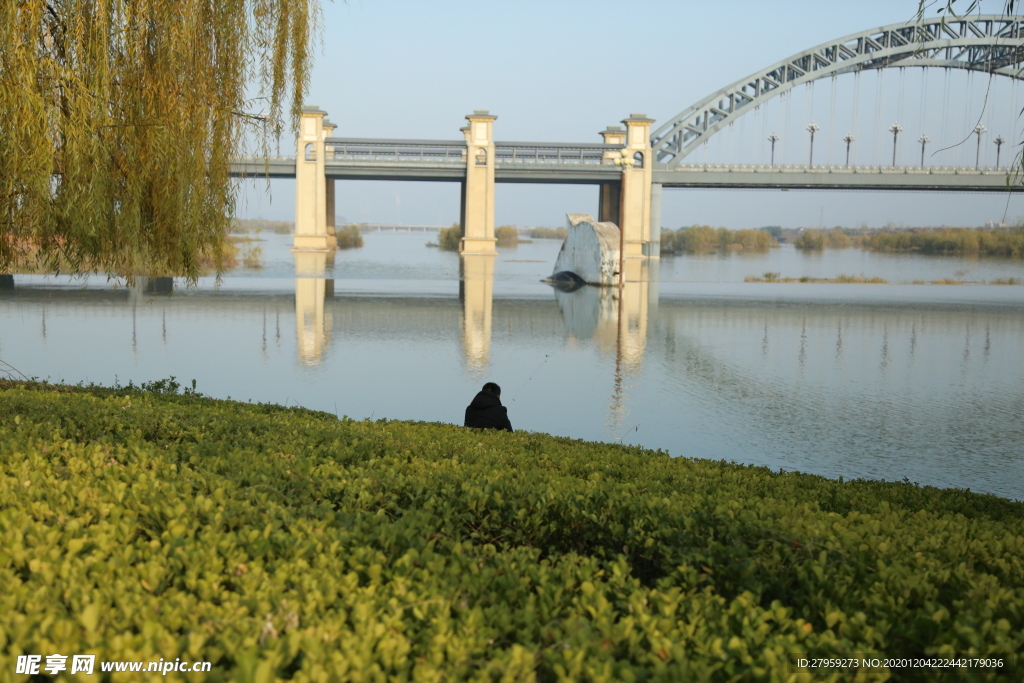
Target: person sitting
486	411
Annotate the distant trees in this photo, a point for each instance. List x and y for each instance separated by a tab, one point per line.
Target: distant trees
507	235
949	241
822	239
246	225
448	238
706	238
349	237
548	233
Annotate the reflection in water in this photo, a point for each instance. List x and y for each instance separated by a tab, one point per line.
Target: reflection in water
849	389
476	291
312	320
616	319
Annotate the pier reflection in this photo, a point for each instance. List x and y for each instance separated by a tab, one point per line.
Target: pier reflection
313	319
616	318
476	292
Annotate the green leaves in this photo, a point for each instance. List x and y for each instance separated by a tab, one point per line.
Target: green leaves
286	544
118	122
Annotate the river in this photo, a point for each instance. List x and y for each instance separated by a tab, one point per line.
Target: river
899	381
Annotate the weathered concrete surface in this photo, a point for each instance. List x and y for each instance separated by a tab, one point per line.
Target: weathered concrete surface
591	250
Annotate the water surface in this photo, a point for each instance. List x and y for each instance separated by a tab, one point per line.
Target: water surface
879	381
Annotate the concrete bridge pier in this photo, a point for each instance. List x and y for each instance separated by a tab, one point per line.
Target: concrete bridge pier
314	194
637	177
609	199
652	248
629	202
477	211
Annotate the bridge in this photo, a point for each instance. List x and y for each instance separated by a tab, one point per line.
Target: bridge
633	164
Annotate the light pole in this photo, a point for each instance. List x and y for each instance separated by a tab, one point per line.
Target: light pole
895	129
998	142
812	128
924	140
978	130
773	138
848	138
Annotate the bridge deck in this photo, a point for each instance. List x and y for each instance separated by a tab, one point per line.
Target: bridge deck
569	171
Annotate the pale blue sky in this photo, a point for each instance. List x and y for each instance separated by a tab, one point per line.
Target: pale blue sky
562	70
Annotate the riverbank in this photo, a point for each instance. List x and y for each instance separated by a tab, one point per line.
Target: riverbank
286	542
844	279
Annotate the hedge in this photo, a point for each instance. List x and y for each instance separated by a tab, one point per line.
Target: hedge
288	544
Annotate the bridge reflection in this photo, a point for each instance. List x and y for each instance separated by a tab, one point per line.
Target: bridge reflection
313	320
476	292
614	319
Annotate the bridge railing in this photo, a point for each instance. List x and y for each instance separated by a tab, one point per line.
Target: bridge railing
554	153
875	170
448	151
382	149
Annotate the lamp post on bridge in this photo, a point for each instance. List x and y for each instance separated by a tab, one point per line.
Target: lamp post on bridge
773	138
978	130
812	128
924	140
848	138
998	142
895	129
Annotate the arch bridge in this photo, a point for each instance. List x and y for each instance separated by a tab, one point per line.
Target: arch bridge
633	164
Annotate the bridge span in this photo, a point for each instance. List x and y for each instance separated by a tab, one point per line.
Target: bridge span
632	165
740	176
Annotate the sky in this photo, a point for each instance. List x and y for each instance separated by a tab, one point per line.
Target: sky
563	70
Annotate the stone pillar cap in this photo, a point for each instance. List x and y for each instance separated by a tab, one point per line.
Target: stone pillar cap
481	114
637	118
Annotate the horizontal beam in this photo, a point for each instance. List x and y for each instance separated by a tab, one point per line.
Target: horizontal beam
945	179
942	179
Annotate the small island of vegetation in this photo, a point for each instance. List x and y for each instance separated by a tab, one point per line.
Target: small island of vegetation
703	238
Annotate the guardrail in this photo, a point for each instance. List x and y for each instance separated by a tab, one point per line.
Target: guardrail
363	149
448	151
553	153
876	170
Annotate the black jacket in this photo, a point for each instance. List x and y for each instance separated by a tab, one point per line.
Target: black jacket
486	412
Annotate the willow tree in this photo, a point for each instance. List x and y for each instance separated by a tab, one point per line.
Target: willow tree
118	119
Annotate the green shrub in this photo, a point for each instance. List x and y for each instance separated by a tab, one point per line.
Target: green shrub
285	543
548	233
949	241
448	239
507	236
669	242
699	238
818	240
349	237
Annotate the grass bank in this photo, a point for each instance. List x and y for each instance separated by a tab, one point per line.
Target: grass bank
285	543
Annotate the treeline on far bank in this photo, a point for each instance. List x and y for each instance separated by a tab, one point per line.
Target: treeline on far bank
700	238
506	236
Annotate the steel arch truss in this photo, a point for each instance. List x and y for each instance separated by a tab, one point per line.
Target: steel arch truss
987	43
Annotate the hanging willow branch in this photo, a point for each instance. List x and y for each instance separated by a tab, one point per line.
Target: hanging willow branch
118	119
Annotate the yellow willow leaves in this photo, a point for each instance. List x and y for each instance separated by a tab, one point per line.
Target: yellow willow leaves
118	121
